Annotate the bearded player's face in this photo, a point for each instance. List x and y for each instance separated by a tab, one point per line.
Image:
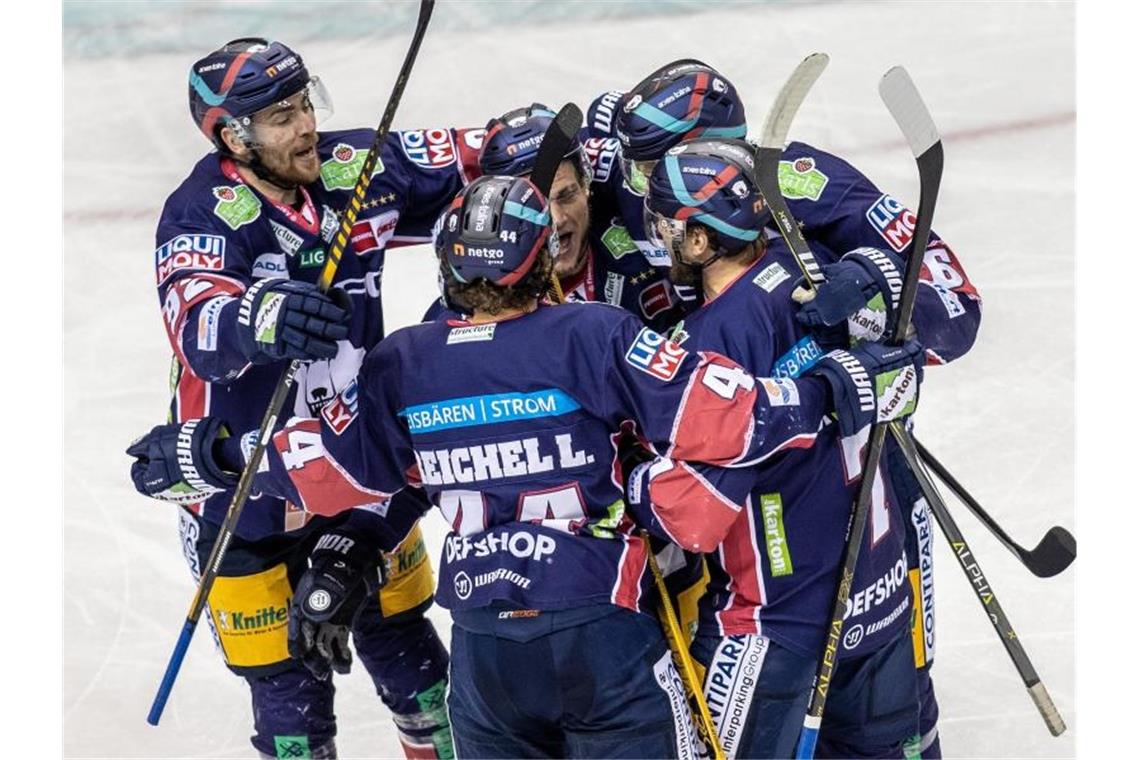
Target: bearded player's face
286	136
570	209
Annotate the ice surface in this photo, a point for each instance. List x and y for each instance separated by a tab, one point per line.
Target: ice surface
999	81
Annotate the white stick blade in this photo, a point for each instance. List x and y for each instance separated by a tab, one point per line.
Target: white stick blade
788	102
907	107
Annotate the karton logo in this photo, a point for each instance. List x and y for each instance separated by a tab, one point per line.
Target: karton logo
653	354
430	148
189	252
894	221
898	393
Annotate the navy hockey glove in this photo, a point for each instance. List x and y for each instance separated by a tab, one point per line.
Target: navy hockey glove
862	289
343	567
178	462
872	382
285	319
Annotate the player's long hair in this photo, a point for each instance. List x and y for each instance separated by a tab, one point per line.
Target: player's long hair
483	296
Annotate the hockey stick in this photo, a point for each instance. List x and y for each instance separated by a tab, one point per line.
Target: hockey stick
551	153
277	401
909	111
1054	552
982	590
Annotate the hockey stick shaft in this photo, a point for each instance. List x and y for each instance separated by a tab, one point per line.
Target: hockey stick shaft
982	589
1053	553
910	113
284	385
698	705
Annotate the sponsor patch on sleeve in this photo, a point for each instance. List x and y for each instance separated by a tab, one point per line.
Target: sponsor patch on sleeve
192	252
780	392
893	221
654	355
208	322
341	411
800	179
429	148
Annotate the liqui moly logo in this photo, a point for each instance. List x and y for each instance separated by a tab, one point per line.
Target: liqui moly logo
206	252
430	148
653	354
894	221
340	413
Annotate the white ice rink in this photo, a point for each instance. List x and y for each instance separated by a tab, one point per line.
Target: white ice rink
999	80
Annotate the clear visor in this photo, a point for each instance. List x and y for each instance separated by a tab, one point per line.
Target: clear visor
664	232
637	174
280	123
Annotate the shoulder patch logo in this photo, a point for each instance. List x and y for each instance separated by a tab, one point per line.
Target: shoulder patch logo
289	241
429	148
800	179
654	355
199	252
893	221
236	205
770	277
341	171
617	240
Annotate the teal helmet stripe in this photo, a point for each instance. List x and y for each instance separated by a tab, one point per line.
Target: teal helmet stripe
519	211
724	227
677	182
204	91
659	118
737	131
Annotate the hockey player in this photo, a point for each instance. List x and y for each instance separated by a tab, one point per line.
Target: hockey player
839	209
598	260
240	244
510	421
764	616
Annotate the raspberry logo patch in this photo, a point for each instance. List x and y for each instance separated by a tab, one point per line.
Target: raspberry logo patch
893	221
429	148
654	355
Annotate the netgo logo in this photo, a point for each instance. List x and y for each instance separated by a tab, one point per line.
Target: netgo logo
653	354
894	221
189	252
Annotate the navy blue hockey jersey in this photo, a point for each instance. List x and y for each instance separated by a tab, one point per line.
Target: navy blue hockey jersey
776	572
217	235
511	428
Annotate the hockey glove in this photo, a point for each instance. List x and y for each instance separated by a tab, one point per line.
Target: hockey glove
327	598
872	382
178	463
285	319
862	289
631	453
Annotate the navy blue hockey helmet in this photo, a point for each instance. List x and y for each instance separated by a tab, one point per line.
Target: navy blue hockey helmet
682	100
494	230
512	140
708	181
245	76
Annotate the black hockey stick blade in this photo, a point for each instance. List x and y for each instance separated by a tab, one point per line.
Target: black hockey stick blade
555	144
1054	552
